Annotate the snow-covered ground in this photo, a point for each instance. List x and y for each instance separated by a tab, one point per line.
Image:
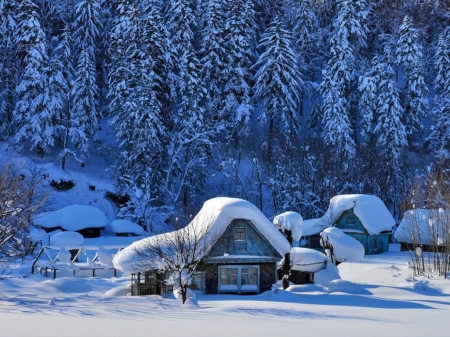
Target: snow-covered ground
376	296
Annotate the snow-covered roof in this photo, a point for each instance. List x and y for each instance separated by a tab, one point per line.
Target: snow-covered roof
291	221
73	218
125	226
344	246
215	216
370	210
307	260
423	226
313	226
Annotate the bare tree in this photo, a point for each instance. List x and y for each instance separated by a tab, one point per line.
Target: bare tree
21	196
179	252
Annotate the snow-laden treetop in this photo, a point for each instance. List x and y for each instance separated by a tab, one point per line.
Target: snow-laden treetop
291	221
73	218
423	226
369	209
212	220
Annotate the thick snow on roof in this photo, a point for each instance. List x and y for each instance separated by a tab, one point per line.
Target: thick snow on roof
68	238
372	212
344	246
307	260
213	219
423	226
313	226
73	218
125	226
291	221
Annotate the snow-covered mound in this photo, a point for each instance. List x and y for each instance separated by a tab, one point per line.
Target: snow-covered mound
121	226
327	275
118	291
344	246
291	221
73	218
212	220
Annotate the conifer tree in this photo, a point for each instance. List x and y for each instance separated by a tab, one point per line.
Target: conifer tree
439	138
410	59
86	114
8	65
32	114
278	84
237	95
213	58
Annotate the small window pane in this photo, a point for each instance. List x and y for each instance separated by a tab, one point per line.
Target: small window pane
240	233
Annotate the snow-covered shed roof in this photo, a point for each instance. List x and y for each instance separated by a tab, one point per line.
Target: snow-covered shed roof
423	226
73	218
291	221
307	260
126	226
370	210
215	216
313	226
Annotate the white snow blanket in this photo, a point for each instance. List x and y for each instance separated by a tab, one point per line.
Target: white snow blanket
212	220
73	218
345	247
423	226
372	212
125	226
291	221
307	260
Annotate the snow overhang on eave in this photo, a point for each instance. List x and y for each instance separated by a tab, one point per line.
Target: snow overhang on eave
240	259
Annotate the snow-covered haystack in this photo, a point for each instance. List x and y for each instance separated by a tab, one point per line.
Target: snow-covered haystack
121	226
291	221
73	218
344	246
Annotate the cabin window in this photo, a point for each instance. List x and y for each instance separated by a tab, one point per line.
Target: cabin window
375	244
350	219
239	279
240	234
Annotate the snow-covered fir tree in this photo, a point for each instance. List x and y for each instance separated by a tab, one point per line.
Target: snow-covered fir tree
84	122
237	76
391	132
8	65
86	113
213	57
33	113
410	59
439	138
278	85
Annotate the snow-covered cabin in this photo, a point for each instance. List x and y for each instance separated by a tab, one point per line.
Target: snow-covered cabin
425	228
363	217
86	220
245	250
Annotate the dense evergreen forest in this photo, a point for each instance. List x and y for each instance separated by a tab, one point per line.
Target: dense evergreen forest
284	103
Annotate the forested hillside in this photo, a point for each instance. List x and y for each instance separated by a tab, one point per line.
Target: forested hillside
282	103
